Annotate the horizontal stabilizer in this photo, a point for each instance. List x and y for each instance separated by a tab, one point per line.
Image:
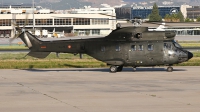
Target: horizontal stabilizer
39	54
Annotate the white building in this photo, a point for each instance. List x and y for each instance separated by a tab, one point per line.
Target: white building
87	21
184	10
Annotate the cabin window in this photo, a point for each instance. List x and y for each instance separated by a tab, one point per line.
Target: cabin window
167	46
133	48
117	48
150	47
140	48
103	48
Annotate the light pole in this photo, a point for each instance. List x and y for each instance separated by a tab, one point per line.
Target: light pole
51	6
33	17
69	5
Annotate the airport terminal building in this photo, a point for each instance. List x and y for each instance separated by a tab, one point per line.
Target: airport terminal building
81	22
182	29
144	12
88	21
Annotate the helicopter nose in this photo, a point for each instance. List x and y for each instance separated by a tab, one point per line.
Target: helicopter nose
190	55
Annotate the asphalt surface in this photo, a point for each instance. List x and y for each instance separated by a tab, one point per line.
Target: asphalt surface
97	90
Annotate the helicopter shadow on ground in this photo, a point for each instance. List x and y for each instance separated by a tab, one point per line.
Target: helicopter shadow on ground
67	69
150	69
101	69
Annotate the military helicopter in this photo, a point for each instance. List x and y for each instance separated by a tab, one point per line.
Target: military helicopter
127	46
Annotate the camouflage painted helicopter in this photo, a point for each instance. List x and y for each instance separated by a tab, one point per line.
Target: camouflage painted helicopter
127	46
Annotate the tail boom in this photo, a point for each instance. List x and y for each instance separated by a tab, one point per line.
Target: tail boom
41	49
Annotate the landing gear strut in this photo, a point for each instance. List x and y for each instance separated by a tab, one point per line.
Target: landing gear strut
169	69
134	68
119	69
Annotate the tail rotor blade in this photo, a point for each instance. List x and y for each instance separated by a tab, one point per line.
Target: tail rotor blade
26	21
17	29
11	40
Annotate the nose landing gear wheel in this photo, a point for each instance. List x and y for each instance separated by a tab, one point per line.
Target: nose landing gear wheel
113	69
169	69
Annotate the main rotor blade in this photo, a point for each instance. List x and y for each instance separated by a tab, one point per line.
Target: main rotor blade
77	17
158	23
172	24
107	15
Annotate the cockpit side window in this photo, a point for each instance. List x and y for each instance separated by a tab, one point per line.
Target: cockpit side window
177	44
167	46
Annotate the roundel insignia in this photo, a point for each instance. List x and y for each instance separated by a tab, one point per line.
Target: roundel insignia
69	46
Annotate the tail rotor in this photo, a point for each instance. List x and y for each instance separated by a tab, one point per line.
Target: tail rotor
17	29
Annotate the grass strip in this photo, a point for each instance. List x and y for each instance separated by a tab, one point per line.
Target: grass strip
53	63
10	47
17	61
195	61
190	44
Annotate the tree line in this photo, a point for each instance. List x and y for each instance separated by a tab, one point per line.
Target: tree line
178	17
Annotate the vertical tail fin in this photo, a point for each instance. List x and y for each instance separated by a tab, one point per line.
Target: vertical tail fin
29	39
32	43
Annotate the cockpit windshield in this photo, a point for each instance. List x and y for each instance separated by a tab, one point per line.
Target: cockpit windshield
177	44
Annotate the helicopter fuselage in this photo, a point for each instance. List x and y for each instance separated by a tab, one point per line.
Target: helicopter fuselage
123	47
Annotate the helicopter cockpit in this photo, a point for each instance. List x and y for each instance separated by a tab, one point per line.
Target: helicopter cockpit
173	50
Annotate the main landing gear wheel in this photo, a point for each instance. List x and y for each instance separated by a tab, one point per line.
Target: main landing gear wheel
113	69
169	69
